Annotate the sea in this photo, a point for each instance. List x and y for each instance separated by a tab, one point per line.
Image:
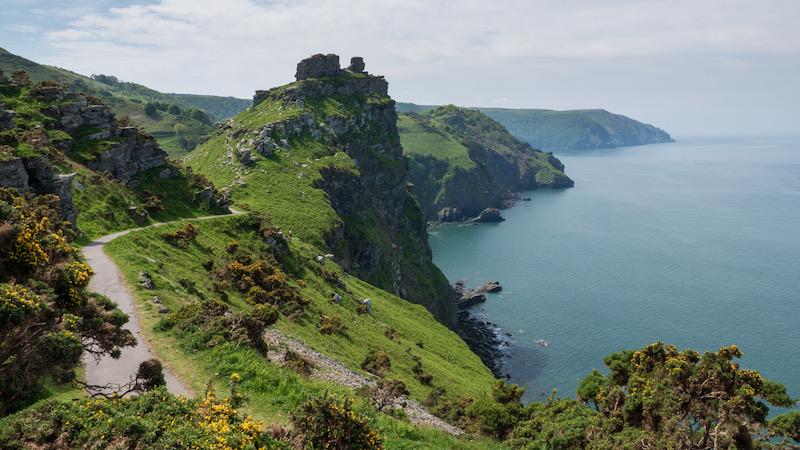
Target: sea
694	243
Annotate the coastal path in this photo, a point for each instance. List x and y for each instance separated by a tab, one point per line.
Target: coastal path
107	280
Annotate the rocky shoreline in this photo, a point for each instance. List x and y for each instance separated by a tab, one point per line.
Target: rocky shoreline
483	337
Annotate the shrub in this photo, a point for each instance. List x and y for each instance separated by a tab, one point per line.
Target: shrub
183	235
386	390
326	422
266	314
330	325
377	362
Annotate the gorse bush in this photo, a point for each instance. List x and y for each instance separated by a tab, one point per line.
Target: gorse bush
47	317
156	419
327	422
377	362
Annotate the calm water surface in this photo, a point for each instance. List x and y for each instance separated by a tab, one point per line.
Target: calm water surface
695	243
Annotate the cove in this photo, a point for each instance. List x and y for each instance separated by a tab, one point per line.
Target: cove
693	243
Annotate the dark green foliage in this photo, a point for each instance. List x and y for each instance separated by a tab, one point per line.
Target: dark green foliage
377	362
211	323
563	423
182	236
330	324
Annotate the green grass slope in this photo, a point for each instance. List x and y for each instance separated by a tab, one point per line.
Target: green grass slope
178	122
462	162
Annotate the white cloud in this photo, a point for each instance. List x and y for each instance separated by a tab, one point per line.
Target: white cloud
567	53
14	28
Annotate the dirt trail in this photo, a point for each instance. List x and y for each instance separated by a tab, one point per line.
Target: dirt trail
107	280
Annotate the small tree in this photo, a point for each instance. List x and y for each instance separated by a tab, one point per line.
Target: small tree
150	109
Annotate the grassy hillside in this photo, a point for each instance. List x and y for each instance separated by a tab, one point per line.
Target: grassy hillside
462	162
571	129
178	121
376	235
184	276
220	107
576	129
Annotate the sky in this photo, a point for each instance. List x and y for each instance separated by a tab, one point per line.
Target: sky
689	67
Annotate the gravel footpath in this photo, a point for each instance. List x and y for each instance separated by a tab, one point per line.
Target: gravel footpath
107	373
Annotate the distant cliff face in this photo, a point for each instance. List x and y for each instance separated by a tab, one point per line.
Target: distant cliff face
463	162
334	131
56	121
576	129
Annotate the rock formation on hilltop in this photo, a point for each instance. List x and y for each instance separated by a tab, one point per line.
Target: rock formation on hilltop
338	129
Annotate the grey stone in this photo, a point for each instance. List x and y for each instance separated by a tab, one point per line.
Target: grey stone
356	65
318	66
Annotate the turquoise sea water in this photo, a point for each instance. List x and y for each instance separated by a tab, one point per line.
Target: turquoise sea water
695	243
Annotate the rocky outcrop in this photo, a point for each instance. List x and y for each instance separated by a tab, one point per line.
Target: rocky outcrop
319	66
491	287
127	151
3	78
136	153
36	174
487	215
376	196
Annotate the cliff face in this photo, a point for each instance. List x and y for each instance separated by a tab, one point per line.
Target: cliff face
55	122
335	130
463	162
576	129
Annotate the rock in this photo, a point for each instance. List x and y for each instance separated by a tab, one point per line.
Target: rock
470	298
164	310
204	197
13	174
449	214
138	215
491	286
356	65
60	186
166	173
318	66
6	117
488	215
482	340
146	281
3	79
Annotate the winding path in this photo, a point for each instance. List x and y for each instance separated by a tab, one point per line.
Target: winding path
107	280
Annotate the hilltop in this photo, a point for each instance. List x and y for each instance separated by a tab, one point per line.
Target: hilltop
570	129
323	158
462	162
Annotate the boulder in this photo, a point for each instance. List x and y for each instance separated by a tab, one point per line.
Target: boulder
356	65
6	118
318	66
491	287
13	174
488	215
